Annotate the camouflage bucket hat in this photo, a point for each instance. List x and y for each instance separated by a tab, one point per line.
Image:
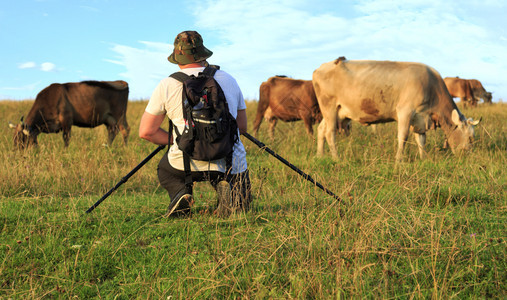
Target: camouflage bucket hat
188	48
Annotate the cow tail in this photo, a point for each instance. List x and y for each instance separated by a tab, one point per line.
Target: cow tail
262	106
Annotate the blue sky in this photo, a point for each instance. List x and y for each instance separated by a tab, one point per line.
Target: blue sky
47	41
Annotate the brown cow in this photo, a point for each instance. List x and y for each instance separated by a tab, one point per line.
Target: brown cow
479	91
343	127
288	100
371	92
460	88
84	104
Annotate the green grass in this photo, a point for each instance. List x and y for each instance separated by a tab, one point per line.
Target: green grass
433	228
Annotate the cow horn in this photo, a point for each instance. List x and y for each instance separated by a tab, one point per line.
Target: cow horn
26	132
11	125
474	123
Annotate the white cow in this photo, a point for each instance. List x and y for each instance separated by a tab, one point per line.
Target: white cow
370	92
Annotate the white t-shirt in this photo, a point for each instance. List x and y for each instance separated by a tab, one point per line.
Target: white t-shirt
166	99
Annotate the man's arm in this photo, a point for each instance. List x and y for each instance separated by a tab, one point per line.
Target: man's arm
150	130
242	121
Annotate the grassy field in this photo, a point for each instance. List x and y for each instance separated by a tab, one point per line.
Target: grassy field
433	228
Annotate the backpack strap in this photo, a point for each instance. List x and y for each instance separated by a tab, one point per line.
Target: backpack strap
188	173
170	133
180	76
210	71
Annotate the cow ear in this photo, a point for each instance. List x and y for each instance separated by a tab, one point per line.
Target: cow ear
11	125
26	132
455	117
474	122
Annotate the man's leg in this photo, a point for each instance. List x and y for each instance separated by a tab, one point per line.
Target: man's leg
224	199
174	182
241	191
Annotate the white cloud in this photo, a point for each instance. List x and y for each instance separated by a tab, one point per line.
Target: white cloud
27	65
265	38
145	67
256	39
47	67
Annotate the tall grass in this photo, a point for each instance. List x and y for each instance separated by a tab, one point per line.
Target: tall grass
432	228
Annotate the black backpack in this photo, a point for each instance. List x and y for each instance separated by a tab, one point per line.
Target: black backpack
210	130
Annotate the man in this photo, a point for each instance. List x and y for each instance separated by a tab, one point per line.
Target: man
234	193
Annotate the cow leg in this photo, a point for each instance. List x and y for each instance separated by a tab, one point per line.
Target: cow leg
465	102
124	129
331	136
329	130
446	144
344	126
421	141
111	134
374	128
403	130
308	126
65	124
320	137
112	129
272	124
66	136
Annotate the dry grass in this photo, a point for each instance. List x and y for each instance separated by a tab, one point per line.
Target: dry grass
429	229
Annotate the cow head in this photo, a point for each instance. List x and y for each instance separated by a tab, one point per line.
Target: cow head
462	137
22	135
488	97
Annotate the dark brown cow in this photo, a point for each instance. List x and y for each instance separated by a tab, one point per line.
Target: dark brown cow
286	99
460	88
479	91
372	92
84	104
